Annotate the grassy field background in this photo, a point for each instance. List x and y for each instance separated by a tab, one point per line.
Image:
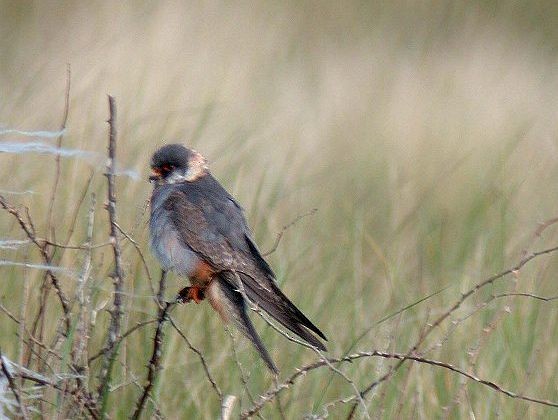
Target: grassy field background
425	133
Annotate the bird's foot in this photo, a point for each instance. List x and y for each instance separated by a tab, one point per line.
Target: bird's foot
190	293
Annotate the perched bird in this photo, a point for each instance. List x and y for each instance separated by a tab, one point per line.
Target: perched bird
198	230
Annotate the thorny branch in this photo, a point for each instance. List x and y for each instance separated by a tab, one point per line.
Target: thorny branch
256	309
80	346
301	372
154	366
27	332
92	403
155	362
118	275
136	327
50	230
29	230
497	317
445	315
202	360
57	382
140	253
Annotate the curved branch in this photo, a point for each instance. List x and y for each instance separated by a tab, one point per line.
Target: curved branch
272	393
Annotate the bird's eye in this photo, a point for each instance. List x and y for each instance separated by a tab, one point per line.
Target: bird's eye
167	168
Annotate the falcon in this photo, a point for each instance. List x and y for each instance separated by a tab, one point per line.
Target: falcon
198	231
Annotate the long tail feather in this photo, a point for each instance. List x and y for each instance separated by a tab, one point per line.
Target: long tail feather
284	311
234	310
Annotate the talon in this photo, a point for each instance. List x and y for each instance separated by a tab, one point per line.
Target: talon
190	293
182	296
197	294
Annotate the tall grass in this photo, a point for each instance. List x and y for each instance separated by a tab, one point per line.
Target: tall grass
424	134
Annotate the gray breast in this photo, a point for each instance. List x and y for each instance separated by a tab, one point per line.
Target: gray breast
173	254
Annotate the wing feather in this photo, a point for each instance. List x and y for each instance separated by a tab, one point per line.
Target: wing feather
212	224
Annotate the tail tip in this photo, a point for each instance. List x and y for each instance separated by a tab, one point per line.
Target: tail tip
322	346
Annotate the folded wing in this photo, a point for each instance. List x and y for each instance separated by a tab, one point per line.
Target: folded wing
212	224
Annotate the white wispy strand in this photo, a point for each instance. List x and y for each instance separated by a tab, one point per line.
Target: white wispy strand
40	133
17	192
44	148
97	159
13	243
16	369
37	266
130	173
7	402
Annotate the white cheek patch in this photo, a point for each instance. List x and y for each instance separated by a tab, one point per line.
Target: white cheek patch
194	173
197	166
176	178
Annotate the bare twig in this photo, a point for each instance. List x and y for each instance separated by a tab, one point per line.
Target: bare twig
79	357
255	308
325	409
529	295
474	352
359	397
537	234
155	362
50	229
243	377
301	372
140	253
29	230
118	275
119	339
57	382
50	221
202	359
285	228
73	219
64	246
25	226
84	247
157	414
32	338
9	314
497	317
22	315
454	324
446	314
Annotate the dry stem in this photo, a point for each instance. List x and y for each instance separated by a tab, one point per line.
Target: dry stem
118	275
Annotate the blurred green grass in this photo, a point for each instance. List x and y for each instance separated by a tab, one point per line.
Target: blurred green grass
423	132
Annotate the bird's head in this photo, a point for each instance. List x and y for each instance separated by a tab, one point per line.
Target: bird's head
175	163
